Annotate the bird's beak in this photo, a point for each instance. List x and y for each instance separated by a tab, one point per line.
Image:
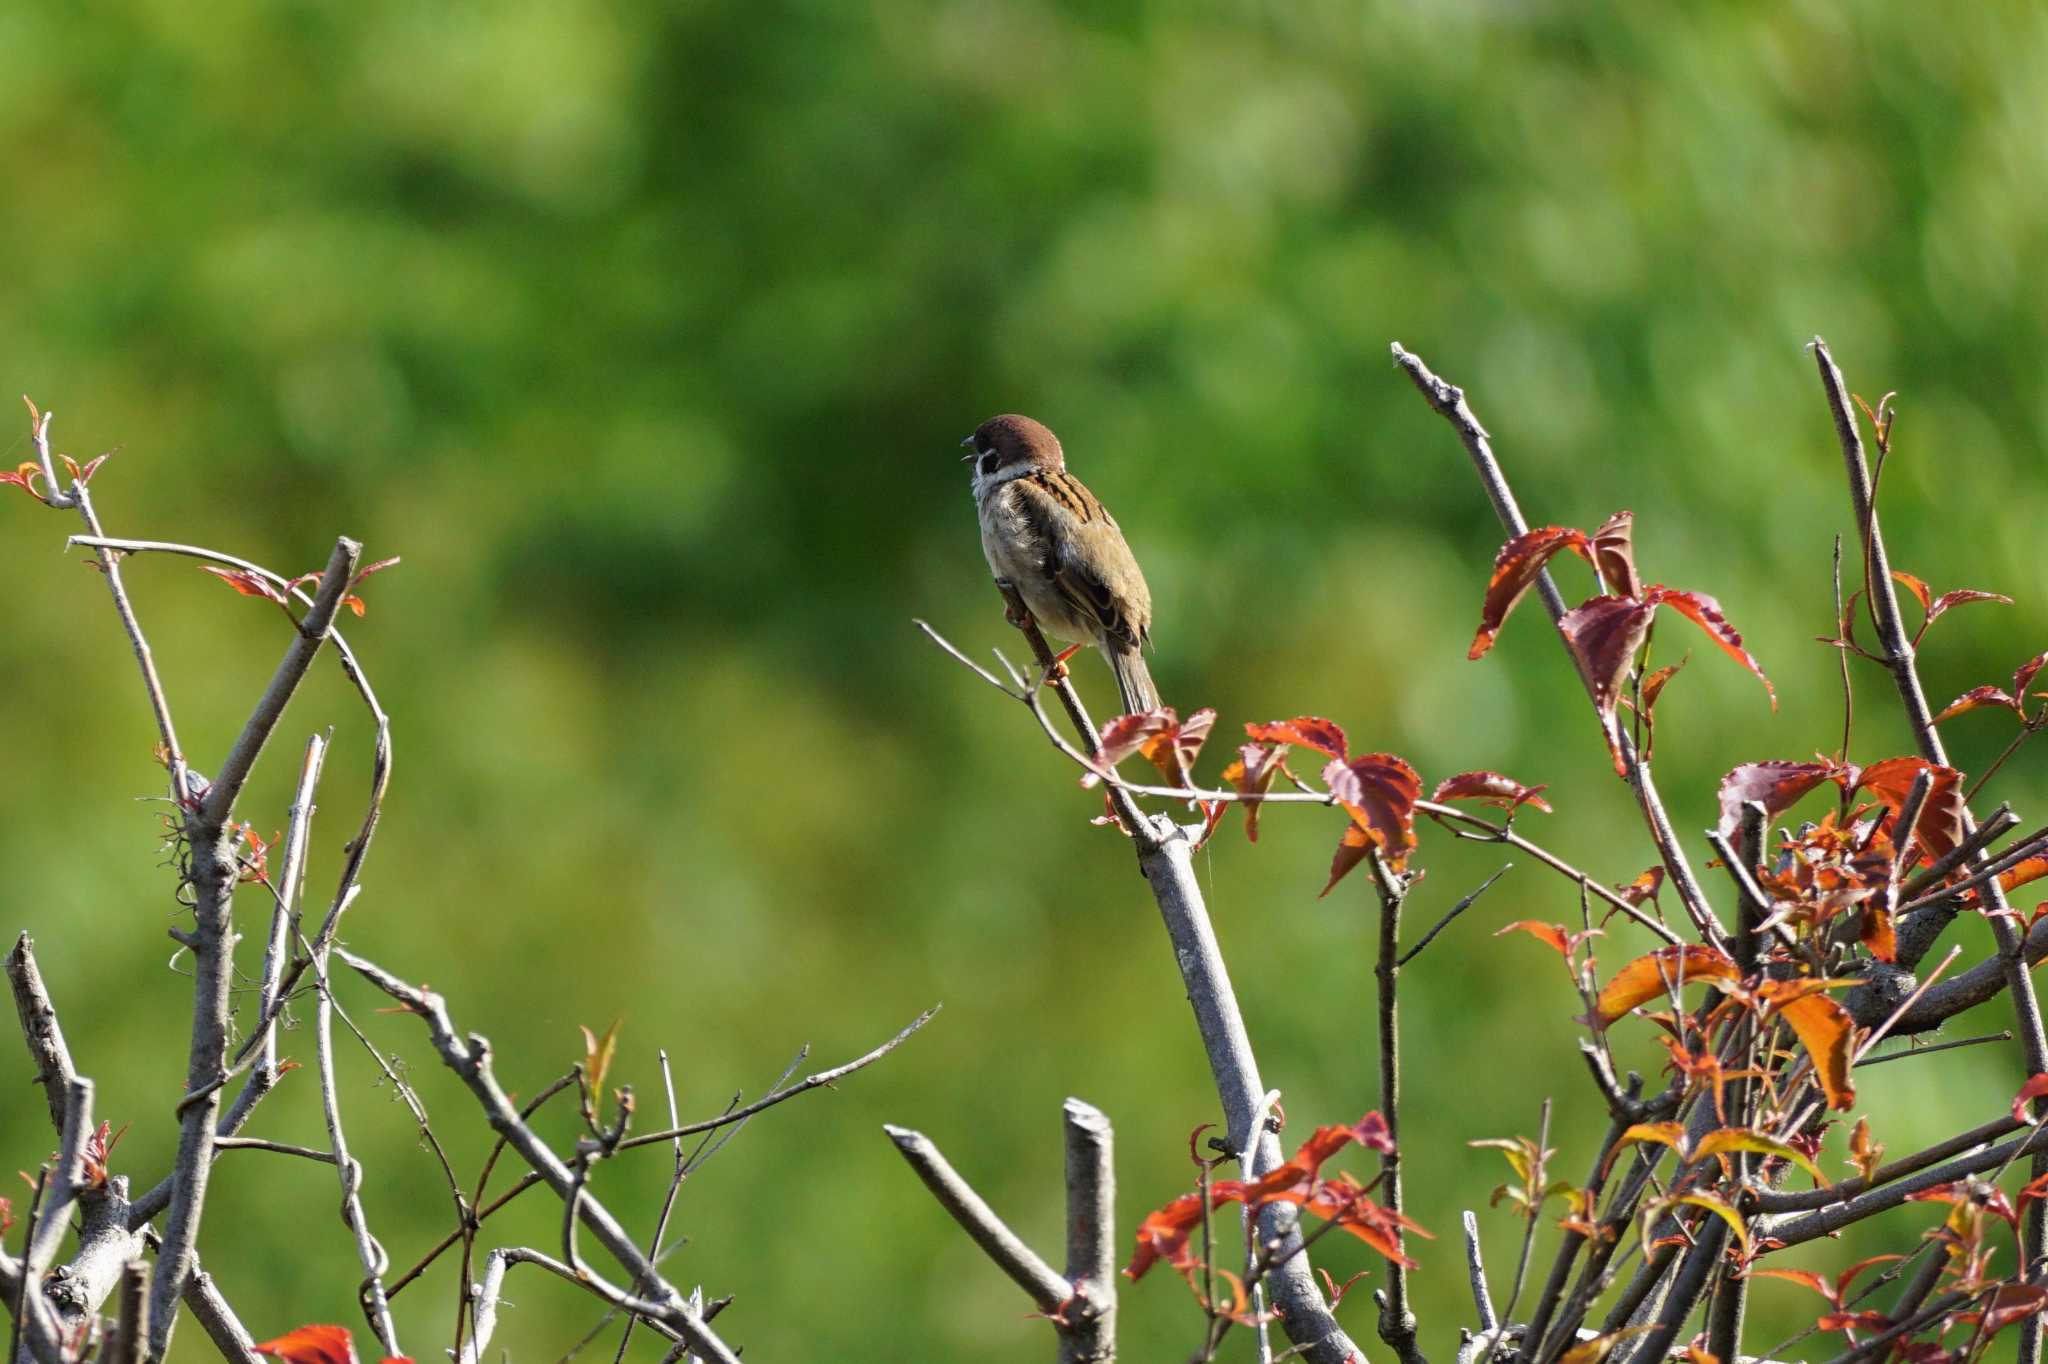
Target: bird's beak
967	443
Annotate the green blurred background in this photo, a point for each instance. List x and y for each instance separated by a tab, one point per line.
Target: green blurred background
644	332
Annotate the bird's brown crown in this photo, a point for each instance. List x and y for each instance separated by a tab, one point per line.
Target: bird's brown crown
1015	439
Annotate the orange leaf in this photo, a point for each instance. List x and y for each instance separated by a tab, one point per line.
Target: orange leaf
2025	870
1174	751
1597	1349
1515	570
1653	685
1864	1153
1825	1029
1310	731
1918	588
1493	789
1552	935
1729	1139
312	1345
1941	819
1252	776
1650	975
1126	734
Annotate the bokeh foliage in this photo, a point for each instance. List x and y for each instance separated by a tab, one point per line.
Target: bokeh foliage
644	332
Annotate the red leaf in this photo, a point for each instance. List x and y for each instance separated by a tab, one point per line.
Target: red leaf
1614	554
312	1345
1491	788
1379	790
1310	731
367	570
1163	1235
246	583
1252	775
1703	611
1777	785
2031	1090
1962	596
2024	674
1604	635
1805	1277
2025	870
1854	1321
1515	570
1981	696
1917	588
2010	1303
1941	819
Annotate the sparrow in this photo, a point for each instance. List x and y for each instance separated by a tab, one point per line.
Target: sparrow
1051	538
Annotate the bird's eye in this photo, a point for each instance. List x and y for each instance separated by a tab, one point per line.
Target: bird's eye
988	462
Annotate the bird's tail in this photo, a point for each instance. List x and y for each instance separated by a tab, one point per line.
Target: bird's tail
1133	680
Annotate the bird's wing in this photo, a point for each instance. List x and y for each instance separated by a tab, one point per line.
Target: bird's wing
1065	518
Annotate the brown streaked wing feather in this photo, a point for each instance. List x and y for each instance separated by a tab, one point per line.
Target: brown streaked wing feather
1047	494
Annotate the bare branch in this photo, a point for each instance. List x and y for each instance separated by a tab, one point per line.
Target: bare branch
1091	1231
39	1027
470	1059
1046	1286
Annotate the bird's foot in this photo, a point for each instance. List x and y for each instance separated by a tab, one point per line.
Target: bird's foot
1058	671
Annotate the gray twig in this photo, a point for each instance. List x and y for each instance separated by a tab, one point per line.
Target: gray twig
1046	1286
1898	659
213	874
40	1028
470	1059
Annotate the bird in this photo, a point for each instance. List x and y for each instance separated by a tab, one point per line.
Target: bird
1054	541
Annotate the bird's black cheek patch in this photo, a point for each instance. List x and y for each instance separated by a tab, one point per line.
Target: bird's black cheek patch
988	462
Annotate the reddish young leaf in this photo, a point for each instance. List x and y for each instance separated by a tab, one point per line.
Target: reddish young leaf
1515	570
1653	685
1174	750
1703	611
1604	635
1878	930
1961	597
368	569
1804	1277
1126	734
1614	554
2024	674
1252	776
1981	696
24	477
1825	1029
1596	1350
246	583
1778	786
1919	589
1644	888
1645	978
1163	1235
312	1345
1941	819
1379	790
1491	788
1310	731
1551	935
1854	1321
2030	1091
2010	1303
